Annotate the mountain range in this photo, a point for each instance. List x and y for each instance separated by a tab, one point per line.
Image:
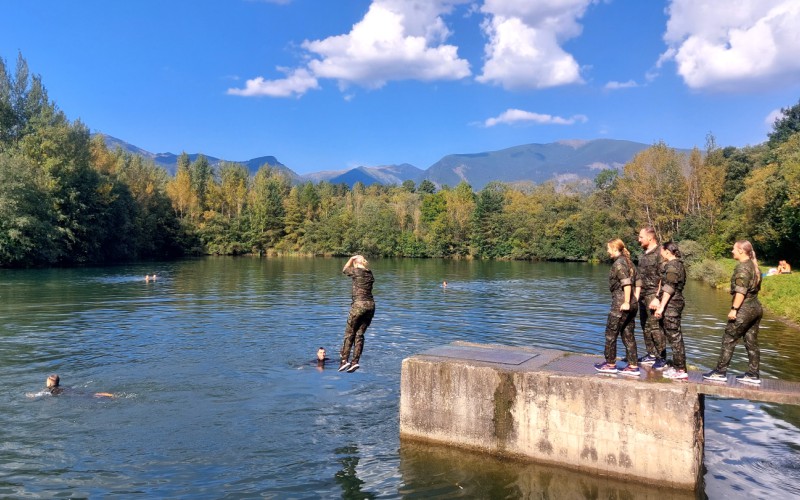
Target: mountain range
561	161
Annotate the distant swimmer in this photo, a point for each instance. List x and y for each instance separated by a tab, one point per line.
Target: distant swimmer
321	358
444	284
147	277
53	385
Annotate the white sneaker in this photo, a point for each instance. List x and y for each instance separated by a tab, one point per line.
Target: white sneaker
675	374
353	368
344	366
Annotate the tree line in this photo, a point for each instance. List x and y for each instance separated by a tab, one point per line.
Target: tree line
66	199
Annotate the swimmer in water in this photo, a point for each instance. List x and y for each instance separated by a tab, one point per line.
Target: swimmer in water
321	358
53	385
444	284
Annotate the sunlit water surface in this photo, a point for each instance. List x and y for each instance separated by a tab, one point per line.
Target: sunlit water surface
217	395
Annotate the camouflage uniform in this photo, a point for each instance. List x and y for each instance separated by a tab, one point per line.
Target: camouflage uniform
648	276
362	310
673	279
748	319
620	322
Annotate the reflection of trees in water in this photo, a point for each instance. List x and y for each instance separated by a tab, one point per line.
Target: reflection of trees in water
347	479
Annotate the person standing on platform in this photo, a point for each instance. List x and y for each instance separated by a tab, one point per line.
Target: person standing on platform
622	315
648	276
670	307
362	309
744	317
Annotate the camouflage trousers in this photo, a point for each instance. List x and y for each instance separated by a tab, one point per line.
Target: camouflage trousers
621	323
654	339
360	317
670	323
745	325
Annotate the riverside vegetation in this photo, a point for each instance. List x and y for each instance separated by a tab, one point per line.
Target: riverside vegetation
66	199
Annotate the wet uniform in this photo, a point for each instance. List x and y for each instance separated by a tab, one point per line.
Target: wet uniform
362	310
673	279
748	319
621	322
648	276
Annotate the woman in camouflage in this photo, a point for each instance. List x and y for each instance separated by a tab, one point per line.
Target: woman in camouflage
744	317
362	309
621	316
670	308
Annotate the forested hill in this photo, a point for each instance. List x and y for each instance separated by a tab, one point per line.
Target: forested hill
559	161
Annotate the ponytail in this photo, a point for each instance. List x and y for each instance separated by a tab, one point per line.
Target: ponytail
672	248
619	245
747	248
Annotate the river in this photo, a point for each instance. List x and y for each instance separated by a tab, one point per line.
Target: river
217	395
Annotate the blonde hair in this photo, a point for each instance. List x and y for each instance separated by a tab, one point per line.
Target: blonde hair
619	245
747	247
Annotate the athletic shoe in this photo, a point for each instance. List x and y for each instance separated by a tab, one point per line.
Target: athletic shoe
344	365
716	376
353	367
606	367
631	371
660	364
748	378
675	374
647	360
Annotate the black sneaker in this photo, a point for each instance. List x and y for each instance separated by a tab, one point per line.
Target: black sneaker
606	367
647	360
660	364
353	367
344	365
748	378
716	376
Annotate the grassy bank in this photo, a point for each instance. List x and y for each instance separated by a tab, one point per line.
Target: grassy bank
780	293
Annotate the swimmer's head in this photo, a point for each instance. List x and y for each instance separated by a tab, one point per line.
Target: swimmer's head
53	380
321	353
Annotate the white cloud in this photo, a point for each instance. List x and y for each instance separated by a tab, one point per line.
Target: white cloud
511	116
396	40
524	48
734	44
621	85
775	114
297	82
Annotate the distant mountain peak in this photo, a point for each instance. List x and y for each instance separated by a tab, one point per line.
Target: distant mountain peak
573	143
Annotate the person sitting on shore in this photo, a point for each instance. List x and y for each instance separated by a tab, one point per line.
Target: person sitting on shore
784	267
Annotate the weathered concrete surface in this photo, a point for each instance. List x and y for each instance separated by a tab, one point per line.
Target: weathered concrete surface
548	410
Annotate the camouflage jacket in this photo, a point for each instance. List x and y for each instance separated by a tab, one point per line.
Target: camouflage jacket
362	283
745	281
649	272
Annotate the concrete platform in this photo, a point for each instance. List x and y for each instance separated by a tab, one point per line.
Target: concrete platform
552	407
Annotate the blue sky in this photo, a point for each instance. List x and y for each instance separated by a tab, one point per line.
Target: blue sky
335	84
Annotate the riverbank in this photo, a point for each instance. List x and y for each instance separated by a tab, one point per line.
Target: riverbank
779	293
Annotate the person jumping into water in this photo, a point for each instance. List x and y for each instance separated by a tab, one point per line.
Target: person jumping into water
362	309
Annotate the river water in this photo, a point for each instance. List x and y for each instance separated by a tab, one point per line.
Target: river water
217	395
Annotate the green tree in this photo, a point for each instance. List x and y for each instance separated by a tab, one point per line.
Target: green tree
785	126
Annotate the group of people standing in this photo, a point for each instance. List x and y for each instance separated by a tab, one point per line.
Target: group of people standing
654	290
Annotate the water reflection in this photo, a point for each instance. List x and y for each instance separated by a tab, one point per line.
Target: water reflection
347	478
430	471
